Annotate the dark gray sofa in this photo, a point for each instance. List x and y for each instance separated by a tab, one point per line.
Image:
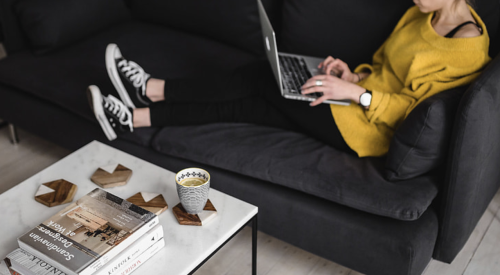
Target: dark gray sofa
330	203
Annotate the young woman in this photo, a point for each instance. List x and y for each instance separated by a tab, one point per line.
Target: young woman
437	45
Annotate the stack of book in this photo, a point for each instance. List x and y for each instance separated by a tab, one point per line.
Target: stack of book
98	234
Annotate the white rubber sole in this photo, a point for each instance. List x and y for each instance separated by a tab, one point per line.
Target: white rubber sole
112	52
95	98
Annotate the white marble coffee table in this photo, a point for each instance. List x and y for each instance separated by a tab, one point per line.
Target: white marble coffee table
186	247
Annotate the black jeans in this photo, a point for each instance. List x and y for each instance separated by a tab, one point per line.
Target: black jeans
249	94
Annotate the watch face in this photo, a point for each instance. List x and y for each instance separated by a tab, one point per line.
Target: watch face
365	99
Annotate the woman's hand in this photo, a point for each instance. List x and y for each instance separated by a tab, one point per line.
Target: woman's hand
333	88
332	66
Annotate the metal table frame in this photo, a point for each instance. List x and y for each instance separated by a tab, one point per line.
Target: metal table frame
254	246
14	138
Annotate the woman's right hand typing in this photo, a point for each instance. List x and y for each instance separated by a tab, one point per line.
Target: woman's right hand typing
339	68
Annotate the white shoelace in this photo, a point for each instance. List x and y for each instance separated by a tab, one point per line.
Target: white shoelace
117	108
135	74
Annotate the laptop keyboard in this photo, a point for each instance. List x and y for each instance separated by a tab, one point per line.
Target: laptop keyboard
295	73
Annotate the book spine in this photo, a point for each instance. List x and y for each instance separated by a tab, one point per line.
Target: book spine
44	258
93	267
26	263
23	261
140	260
133	251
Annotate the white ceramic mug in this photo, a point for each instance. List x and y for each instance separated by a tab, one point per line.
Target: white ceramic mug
193	197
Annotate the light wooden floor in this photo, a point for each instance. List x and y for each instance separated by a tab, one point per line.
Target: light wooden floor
481	255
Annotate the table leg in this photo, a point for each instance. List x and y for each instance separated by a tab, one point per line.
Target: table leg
254	245
14	139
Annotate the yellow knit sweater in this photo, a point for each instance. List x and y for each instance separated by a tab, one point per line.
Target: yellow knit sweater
413	64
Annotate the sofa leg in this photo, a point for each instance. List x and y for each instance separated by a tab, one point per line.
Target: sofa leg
14	138
3	52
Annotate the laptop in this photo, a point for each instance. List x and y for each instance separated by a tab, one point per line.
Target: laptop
290	70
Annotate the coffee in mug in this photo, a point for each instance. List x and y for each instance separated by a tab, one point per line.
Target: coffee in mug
192	182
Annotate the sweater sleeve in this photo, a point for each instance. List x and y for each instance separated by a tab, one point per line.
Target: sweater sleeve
392	108
397	103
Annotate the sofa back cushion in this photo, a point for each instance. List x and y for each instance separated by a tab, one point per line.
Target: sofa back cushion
489	10
232	22
51	24
349	30
421	142
14	39
352	30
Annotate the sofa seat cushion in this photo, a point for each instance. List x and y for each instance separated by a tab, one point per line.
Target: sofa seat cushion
62	77
301	163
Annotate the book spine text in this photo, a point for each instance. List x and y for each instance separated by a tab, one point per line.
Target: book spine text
133	251
119	248
137	262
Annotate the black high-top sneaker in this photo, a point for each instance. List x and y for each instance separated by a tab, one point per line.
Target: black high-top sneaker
128	78
115	118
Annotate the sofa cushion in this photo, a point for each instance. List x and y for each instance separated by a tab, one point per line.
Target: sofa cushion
420	144
62	77
233	22
11	30
339	28
301	163
343	30
488	10
52	24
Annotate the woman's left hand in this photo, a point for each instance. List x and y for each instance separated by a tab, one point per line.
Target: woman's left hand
332	88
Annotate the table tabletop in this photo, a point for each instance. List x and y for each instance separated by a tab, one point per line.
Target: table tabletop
185	246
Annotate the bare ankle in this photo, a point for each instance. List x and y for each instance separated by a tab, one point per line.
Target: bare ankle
155	89
141	118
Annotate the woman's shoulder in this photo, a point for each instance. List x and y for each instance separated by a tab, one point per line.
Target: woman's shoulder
469	30
472	30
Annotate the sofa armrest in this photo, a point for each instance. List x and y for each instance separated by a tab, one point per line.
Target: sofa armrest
473	174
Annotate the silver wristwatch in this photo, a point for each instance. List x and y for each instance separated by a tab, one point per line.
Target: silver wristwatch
365	99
